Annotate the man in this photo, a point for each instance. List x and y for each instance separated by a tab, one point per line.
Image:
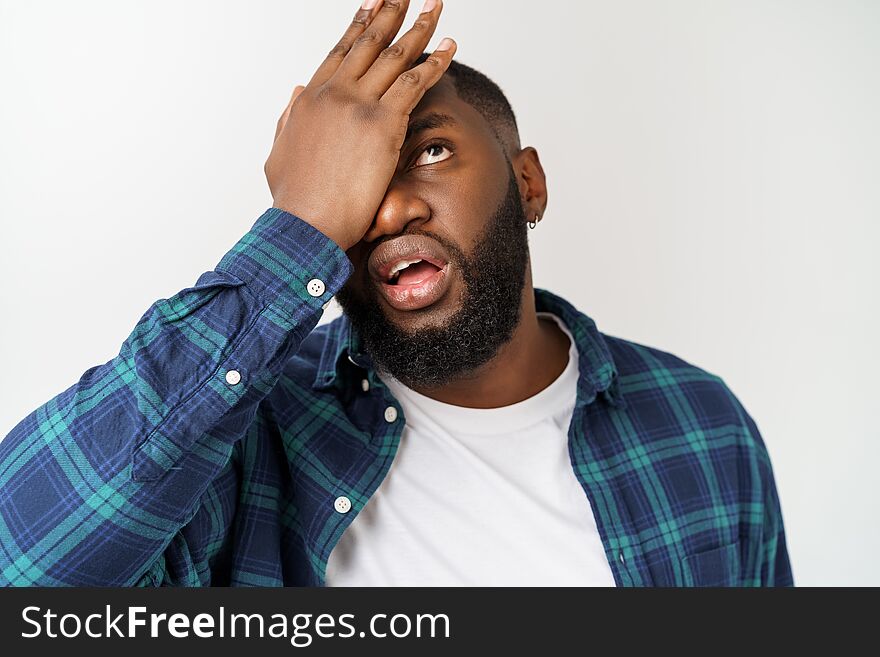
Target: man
455	426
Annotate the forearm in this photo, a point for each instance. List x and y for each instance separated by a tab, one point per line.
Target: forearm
96	482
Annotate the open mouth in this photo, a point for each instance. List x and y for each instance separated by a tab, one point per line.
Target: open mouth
415	284
411	271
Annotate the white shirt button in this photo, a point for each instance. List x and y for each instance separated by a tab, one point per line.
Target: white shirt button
390	414
342	504
233	377
620	555
315	287
365	385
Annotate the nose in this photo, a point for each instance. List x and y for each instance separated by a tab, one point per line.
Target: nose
400	208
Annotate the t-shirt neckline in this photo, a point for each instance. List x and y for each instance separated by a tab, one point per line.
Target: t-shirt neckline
557	398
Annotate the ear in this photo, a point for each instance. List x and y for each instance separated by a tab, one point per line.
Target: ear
532	182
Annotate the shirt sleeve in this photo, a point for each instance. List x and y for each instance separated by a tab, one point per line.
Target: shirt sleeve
773	567
95	483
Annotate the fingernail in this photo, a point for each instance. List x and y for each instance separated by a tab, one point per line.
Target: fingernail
429	5
445	44
369	4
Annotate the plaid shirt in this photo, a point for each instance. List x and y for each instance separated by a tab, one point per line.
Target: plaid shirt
213	448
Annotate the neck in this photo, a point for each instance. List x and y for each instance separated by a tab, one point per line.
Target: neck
532	359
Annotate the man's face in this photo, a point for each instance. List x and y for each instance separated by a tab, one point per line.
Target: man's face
453	210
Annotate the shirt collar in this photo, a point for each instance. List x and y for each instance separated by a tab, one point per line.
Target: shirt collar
598	372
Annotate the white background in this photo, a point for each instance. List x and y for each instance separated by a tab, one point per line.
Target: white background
712	167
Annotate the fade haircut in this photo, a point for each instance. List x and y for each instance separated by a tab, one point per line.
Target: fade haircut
485	96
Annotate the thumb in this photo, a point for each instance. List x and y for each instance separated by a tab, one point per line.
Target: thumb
297	90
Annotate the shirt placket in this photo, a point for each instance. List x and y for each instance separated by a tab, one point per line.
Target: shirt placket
372	465
610	510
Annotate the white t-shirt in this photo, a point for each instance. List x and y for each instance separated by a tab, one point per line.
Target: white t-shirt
478	497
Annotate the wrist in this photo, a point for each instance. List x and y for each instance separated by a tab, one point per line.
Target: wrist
329	229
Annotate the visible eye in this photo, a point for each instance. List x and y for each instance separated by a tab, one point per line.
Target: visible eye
433	153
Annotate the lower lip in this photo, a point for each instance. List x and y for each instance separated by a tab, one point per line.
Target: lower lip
417	295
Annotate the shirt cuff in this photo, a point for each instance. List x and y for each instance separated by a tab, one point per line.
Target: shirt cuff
285	260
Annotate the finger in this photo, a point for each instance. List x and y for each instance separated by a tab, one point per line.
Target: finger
399	56
362	19
375	38
411	85
286	113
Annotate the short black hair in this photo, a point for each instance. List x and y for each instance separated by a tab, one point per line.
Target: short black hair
485	96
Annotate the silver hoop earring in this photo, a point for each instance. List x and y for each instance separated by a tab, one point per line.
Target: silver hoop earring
534	223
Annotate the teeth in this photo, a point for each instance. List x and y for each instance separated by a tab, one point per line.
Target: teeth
400	266
403	264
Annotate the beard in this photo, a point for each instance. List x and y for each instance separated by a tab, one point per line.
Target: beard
490	307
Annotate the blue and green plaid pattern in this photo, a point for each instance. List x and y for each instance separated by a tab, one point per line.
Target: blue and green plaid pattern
153	470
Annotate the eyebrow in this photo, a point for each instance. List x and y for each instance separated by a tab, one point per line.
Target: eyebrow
428	122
